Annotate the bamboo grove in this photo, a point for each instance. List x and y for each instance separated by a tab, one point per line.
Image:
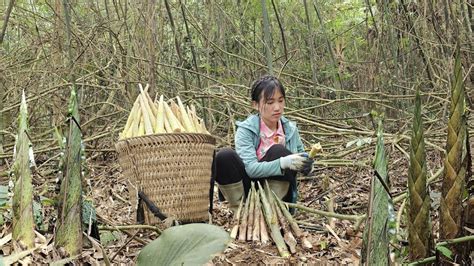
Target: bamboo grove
338	59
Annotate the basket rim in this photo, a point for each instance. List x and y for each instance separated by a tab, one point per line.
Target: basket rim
168	134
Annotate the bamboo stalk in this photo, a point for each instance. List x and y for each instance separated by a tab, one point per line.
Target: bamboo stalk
243	224
251	212
294	226
270	218
235	228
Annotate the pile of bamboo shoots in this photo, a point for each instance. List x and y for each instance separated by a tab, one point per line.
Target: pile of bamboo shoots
154	117
263	210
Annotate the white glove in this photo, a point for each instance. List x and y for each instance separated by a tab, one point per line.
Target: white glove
297	162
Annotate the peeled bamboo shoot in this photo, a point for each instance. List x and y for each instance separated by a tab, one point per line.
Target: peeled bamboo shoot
160	117
185	117
174	123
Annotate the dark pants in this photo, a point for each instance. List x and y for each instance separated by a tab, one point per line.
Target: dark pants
229	168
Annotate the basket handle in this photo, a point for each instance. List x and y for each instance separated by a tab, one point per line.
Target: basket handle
142	197
213	181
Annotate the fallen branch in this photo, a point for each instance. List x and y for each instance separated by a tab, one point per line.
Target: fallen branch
356	218
444	243
129	227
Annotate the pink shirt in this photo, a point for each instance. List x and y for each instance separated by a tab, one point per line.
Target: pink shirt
269	138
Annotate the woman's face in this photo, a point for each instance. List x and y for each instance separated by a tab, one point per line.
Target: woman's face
271	109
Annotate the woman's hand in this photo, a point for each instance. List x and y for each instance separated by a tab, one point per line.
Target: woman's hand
298	162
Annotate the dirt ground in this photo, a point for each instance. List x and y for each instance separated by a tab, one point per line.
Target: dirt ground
337	242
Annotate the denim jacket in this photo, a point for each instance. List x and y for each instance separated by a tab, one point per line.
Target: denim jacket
247	139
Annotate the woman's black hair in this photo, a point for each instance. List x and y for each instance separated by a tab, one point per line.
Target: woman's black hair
268	84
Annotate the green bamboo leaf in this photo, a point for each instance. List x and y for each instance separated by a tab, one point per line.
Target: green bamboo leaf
191	244
22	201
376	235
445	251
456	161
419	230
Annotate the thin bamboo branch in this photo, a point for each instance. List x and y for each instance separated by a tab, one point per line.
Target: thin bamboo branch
6	18
356	218
282	30
267	37
176	43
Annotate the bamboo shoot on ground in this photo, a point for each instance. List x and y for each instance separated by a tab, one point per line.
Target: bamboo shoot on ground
256	220
243	224
264	237
236	220
287	235
251	212
294	226
270	218
22	201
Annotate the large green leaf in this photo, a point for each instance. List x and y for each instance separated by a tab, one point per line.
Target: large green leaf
191	244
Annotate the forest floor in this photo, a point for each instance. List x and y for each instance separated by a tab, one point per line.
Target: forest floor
339	243
350	189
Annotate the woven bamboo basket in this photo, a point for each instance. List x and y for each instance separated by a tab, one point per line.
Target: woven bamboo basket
173	170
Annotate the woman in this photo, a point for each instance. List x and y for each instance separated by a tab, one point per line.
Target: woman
267	146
